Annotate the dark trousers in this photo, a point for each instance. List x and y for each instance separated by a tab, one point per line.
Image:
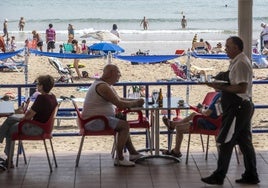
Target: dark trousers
243	137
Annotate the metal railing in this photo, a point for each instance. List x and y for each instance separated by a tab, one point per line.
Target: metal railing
125	85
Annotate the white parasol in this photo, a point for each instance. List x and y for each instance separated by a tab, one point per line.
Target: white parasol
101	35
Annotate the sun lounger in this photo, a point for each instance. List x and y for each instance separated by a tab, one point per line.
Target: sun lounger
65	72
11	66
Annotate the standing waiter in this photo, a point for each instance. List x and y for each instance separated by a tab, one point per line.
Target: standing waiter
237	112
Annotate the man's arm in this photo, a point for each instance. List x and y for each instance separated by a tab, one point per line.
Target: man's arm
110	95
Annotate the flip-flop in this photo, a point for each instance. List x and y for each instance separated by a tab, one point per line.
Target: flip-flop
167	152
178	155
167	124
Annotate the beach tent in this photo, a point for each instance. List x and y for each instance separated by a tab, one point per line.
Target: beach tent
147	59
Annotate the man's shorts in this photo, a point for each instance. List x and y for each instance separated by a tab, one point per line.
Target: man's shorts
51	45
39	44
204	124
98	125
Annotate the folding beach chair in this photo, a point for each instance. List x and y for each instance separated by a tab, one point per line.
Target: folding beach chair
180	71
65	72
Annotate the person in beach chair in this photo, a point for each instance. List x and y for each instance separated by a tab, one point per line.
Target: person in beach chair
200	47
65	72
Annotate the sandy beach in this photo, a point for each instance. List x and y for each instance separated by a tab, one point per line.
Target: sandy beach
39	65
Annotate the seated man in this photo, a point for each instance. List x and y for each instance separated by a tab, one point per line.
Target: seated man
101	99
183	125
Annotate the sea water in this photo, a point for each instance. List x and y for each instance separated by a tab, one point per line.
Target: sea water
212	20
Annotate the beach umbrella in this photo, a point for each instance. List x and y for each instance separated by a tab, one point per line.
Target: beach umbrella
106	47
101	35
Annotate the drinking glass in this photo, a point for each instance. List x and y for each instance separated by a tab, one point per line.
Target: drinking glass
155	95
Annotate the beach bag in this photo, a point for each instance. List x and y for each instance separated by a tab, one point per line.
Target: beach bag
85	74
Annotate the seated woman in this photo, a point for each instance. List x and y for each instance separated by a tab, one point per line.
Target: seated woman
183	125
41	110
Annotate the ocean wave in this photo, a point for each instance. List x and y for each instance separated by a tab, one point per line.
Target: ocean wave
126	20
141	32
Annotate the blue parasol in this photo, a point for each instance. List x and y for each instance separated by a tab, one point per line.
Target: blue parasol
106	47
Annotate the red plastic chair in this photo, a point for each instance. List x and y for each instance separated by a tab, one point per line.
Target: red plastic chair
140	122
83	132
206	102
195	129
47	134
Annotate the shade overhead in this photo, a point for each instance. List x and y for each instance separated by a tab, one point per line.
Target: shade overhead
147	59
106	47
101	35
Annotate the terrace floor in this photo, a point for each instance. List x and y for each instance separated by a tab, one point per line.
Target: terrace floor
96	170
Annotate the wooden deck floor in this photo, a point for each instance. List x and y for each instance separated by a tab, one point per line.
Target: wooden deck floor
96	170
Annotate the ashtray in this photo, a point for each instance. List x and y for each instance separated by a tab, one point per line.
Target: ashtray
181	102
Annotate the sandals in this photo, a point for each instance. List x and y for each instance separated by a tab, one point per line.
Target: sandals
167	124
167	152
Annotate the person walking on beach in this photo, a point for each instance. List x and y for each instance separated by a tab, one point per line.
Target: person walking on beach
50	38
183	125
77	50
101	99
116	33
21	24
39	41
236	119
144	23
5	30
264	36
70	31
183	22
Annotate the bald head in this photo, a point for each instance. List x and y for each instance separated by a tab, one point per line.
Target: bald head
111	74
108	69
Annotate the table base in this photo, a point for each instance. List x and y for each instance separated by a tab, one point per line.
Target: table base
159	156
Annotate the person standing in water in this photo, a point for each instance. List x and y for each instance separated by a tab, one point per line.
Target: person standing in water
183	22
144	23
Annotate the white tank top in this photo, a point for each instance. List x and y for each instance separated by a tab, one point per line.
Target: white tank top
95	104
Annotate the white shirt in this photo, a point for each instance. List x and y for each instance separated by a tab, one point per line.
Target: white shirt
241	72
